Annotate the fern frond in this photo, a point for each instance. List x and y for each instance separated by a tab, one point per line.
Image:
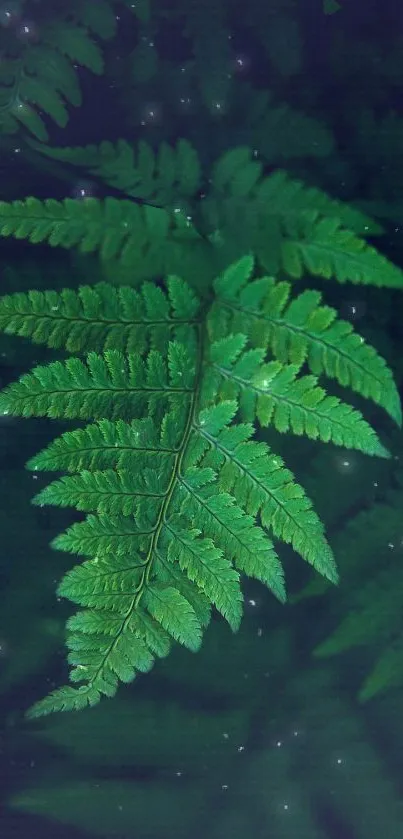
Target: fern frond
284	223
277	198
109	491
280	131
290	227
233	530
181	501
374	620
324	248
114	228
41	77
165	178
262	485
377	608
102	445
102	316
274	394
96	16
300	330
108	385
66	698
206	566
369	615
387	672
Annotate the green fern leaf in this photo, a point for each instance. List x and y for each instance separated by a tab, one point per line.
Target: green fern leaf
41	76
103	316
108	385
175	614
377	609
273	394
65	699
292	227
277	200
300	330
106	492
97	16
116	229
180	500
102	445
166	179
387	673
326	249
44	97
74	42
44	63
205	564
260	483
99	535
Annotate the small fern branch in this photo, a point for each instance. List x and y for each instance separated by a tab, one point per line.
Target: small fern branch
259	481
114	228
324	248
238	184
103	316
109	385
274	394
42	76
106	444
290	227
165	178
300	330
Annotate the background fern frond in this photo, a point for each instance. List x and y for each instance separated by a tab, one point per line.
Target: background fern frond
164	178
290	227
41	78
113	228
326	249
278	198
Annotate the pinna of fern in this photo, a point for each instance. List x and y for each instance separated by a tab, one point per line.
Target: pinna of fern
180	499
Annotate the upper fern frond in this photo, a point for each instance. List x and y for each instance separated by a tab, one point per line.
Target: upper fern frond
238	183
287	225
111	227
174	173
180	500
163	178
